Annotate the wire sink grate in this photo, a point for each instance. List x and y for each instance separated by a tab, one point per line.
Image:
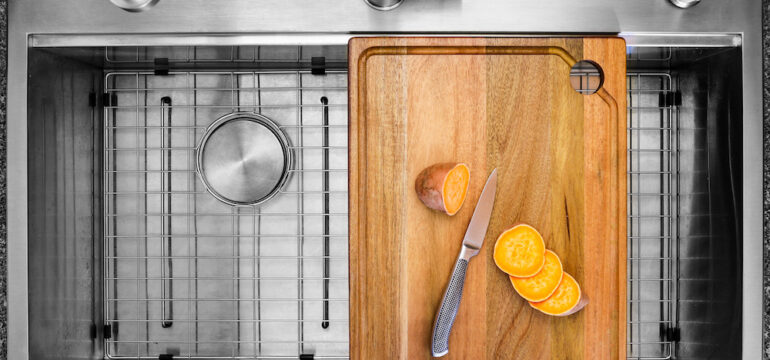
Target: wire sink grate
652	223
189	276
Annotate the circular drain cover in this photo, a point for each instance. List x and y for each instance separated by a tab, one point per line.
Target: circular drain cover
244	159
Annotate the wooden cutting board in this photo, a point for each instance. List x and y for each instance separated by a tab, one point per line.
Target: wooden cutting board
503	103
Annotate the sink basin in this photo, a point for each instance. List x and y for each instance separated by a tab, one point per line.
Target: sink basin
122	227
118	251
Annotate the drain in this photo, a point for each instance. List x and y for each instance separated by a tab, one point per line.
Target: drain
244	159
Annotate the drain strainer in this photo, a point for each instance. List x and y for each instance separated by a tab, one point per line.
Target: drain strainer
244	159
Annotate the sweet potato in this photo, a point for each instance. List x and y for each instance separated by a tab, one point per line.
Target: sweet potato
443	186
543	284
567	300
520	251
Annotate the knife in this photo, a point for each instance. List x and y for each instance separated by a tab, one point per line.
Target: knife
474	238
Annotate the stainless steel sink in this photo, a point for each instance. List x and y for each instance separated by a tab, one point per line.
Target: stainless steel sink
118	251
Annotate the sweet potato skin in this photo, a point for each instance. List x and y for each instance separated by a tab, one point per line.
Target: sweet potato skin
579	306
429	185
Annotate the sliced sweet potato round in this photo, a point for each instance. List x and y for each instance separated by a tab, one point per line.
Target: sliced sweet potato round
520	251
567	300
443	186
544	283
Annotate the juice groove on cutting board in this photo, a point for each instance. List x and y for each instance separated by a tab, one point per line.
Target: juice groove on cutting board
489	102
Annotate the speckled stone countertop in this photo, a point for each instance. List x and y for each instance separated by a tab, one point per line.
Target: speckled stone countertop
766	182
3	234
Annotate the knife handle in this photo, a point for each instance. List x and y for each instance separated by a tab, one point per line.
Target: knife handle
445	317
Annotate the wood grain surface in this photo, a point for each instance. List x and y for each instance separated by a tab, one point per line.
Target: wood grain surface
503	103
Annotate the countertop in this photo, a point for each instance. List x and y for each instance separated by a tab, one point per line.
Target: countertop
3	233
766	170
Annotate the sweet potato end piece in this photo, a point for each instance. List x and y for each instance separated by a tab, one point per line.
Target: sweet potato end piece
443	187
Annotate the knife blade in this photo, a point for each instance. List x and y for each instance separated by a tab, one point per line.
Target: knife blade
477	228
472	241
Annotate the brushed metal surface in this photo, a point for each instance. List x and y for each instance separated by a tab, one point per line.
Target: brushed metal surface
348	16
708	274
274	22
64	255
244	159
697	40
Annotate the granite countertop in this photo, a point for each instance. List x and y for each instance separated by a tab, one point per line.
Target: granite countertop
766	170
3	233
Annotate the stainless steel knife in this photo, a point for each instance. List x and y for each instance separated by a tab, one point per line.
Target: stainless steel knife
474	238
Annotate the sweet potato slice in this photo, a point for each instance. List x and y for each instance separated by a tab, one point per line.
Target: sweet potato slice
544	283
520	251
443	186
567	300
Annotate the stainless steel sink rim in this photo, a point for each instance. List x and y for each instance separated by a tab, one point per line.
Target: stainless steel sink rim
275	184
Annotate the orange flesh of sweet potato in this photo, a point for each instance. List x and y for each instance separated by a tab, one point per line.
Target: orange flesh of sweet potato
455	188
544	283
520	251
443	186
567	300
